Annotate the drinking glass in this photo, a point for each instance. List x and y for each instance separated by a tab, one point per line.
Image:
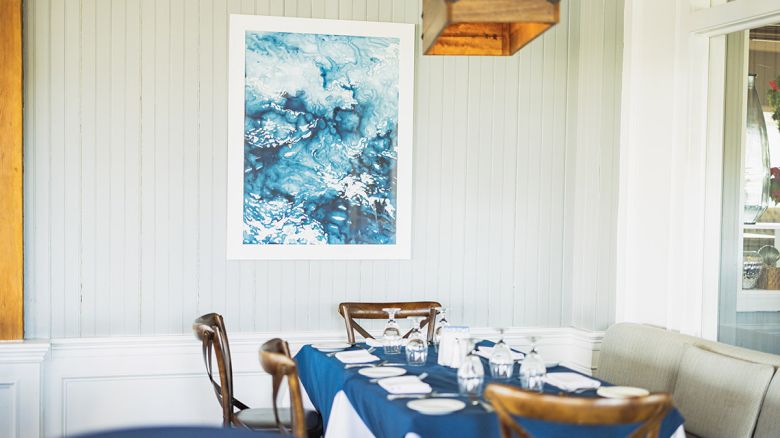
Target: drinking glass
501	362
391	337
442	323
416	346
471	374
533	370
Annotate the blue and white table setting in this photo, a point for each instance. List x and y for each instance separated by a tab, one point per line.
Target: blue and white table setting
355	404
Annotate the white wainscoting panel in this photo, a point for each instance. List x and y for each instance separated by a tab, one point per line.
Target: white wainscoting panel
20	388
104	383
8	408
125	172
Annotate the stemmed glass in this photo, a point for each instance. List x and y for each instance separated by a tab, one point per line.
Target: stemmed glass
417	345
501	362
442	323
471	373
391	336
533	369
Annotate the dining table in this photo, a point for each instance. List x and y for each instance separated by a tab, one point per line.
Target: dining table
352	405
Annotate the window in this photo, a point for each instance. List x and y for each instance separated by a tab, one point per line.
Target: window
749	313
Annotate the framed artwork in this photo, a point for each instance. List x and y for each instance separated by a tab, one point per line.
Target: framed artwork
319	139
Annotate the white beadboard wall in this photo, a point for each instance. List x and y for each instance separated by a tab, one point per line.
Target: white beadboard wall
515	163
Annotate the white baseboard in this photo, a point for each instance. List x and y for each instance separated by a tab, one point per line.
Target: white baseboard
69	386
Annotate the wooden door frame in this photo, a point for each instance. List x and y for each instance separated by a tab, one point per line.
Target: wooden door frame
11	145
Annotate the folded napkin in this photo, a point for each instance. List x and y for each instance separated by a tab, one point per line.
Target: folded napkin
571	381
377	343
484	351
356	356
405	385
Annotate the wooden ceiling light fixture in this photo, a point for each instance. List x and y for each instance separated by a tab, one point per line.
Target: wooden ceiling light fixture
485	27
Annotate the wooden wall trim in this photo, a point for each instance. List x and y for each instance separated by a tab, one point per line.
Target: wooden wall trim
11	246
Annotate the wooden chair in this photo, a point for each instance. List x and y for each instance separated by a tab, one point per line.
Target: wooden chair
352	311
276	360
512	401
210	329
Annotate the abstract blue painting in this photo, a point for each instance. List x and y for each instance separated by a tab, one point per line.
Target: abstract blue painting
320	139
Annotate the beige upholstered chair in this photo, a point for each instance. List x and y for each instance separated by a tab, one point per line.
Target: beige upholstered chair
720	396
769	418
718	388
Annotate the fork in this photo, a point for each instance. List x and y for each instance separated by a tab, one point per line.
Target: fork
367	365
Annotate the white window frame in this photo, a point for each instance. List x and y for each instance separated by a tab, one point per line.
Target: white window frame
704	40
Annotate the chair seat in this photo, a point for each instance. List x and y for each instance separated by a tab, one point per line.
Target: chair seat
263	418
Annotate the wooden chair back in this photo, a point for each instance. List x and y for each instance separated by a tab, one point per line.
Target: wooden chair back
352	311
276	360
511	401
210	329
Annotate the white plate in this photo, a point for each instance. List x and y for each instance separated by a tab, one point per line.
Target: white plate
382	372
621	392
551	364
436	406
330	347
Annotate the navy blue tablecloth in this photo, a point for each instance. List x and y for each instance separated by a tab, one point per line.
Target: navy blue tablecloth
323	377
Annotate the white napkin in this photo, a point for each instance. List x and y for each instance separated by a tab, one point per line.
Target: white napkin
377	343
405	385
484	351
571	381
356	356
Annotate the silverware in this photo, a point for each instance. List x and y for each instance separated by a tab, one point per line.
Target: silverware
383	363
581	390
487	406
421	396
421	376
368	365
475	401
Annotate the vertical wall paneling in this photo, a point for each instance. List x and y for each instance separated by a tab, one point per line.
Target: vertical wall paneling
514	176
39	302
57	115
595	57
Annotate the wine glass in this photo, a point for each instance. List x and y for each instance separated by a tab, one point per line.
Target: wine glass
471	373
391	337
417	345
442	323
533	369
501	362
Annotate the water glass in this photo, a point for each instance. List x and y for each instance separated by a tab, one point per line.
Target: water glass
416	346
471	374
391	336
442	323
502	364
533	370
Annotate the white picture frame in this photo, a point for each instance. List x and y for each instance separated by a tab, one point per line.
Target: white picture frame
237	247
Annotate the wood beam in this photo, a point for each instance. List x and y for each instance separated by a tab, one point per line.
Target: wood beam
11	246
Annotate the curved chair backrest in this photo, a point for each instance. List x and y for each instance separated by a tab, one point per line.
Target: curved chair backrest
510	401
276	360
353	311
210	329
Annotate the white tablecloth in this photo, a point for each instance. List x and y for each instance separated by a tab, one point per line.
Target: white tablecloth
345	422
